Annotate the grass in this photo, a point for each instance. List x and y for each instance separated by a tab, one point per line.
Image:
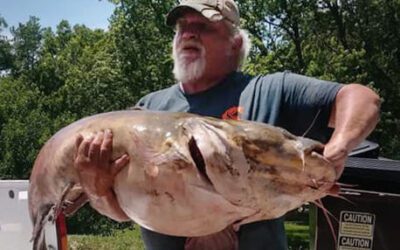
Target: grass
298	236
118	240
298	239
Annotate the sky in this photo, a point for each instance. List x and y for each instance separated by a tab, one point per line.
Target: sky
91	13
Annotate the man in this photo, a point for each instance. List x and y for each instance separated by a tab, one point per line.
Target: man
208	49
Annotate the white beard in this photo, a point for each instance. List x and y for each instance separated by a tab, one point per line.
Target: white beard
188	71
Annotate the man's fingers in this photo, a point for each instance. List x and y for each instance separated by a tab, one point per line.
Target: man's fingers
83	149
339	156
78	142
94	148
119	164
339	167
106	147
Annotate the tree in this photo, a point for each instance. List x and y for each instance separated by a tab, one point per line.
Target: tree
24	127
143	44
26	44
6	57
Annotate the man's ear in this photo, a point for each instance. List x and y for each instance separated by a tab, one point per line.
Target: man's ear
237	43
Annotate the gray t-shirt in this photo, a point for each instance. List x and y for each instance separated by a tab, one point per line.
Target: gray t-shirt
287	100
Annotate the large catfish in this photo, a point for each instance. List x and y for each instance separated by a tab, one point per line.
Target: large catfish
188	175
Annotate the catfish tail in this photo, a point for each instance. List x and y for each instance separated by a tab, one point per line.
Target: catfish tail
39	219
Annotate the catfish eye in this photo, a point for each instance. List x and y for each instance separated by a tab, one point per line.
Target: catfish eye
318	148
309	146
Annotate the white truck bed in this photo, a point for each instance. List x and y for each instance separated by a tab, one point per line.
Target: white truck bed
15	224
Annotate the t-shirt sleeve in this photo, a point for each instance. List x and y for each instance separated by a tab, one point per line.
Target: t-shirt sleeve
303	91
306	105
300	104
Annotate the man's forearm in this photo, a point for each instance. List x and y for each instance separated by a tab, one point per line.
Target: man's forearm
355	114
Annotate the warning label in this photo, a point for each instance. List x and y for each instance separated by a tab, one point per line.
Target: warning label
354	243
356	230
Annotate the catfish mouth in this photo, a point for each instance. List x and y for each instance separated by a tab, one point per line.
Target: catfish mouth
198	159
310	147
70	207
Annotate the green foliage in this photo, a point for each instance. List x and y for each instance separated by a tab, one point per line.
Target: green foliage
143	44
24	127
6	57
88	221
26	42
118	240
3	23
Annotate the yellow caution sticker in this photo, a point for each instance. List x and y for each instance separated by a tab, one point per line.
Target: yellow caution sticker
356	230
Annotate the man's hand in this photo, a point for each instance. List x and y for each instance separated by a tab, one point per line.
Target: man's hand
96	168
336	152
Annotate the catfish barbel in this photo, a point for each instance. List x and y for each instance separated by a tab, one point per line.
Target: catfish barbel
188	175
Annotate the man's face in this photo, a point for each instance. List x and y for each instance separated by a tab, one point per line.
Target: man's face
202	49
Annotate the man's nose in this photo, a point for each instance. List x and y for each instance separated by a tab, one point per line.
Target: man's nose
189	34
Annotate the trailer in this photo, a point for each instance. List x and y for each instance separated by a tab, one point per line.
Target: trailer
367	218
15	222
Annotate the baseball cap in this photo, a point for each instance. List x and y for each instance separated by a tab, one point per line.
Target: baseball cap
214	10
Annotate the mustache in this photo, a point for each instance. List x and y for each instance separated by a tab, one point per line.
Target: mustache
189	45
